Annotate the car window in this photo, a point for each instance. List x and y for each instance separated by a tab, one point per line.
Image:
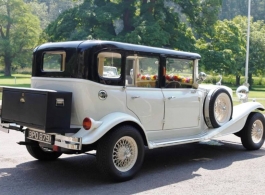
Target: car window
179	73
109	64
53	61
142	71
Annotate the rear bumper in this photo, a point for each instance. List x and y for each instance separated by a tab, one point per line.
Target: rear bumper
67	142
72	143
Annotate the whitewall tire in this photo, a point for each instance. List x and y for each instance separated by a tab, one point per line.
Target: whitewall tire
218	108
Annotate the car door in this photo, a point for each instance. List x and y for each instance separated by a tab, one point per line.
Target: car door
182	108
182	102
148	105
144	99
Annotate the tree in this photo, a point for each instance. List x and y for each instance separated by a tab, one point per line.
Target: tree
48	10
19	32
256	45
233	8
224	51
150	22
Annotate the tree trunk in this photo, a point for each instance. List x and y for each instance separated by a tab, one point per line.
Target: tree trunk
250	80
127	18
237	80
7	61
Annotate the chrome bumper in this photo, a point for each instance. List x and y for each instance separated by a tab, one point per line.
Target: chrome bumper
5	127
72	143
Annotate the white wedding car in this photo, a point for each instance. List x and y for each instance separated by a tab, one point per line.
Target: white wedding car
118	98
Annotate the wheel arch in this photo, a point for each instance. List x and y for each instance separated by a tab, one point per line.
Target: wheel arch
137	126
109	123
240	115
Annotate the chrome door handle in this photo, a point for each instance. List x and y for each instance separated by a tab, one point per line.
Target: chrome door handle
134	97
171	97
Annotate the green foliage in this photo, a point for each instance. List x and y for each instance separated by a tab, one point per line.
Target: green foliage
155	22
19	32
256	45
224	51
202	15
48	10
232	8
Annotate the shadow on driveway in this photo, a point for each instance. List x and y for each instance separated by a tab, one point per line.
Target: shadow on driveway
161	167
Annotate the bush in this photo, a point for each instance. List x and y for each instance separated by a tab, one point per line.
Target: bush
231	80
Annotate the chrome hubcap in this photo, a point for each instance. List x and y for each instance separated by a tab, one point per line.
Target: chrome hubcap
222	108
257	131
125	153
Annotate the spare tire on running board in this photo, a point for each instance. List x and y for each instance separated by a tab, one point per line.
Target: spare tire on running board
218	108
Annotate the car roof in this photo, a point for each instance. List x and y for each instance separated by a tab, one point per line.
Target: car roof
85	45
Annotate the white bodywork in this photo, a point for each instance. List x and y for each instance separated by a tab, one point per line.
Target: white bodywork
165	116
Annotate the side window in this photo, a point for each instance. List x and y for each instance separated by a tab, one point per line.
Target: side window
109	65
53	61
142	71
179	73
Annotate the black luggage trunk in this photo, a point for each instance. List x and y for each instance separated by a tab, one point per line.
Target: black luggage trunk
41	109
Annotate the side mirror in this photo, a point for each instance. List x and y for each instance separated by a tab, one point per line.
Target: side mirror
202	77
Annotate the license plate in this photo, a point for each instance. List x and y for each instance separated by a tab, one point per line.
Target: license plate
38	136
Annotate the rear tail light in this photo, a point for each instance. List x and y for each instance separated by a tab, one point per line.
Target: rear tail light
87	123
55	148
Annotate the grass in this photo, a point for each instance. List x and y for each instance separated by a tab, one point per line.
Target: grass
16	80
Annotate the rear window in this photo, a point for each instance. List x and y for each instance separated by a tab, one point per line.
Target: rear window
54	61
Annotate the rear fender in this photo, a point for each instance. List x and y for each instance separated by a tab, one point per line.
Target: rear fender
107	123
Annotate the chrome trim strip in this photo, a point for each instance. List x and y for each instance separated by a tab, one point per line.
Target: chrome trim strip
172	143
69	139
73	143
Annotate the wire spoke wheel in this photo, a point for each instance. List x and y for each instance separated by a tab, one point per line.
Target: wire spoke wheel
125	153
218	108
222	109
257	131
252	134
120	153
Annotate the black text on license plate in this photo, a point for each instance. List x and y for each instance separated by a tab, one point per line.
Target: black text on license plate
38	136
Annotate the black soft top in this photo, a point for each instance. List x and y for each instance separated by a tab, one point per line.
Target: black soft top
89	44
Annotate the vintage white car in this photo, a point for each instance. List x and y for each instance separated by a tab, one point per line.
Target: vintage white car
152	98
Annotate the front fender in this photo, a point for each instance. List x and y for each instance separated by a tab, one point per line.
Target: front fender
108	122
240	115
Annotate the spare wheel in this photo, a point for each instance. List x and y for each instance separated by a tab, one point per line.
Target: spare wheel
218	108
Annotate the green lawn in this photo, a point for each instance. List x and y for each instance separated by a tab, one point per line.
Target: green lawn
16	80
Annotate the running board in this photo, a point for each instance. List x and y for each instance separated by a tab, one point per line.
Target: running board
173	143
